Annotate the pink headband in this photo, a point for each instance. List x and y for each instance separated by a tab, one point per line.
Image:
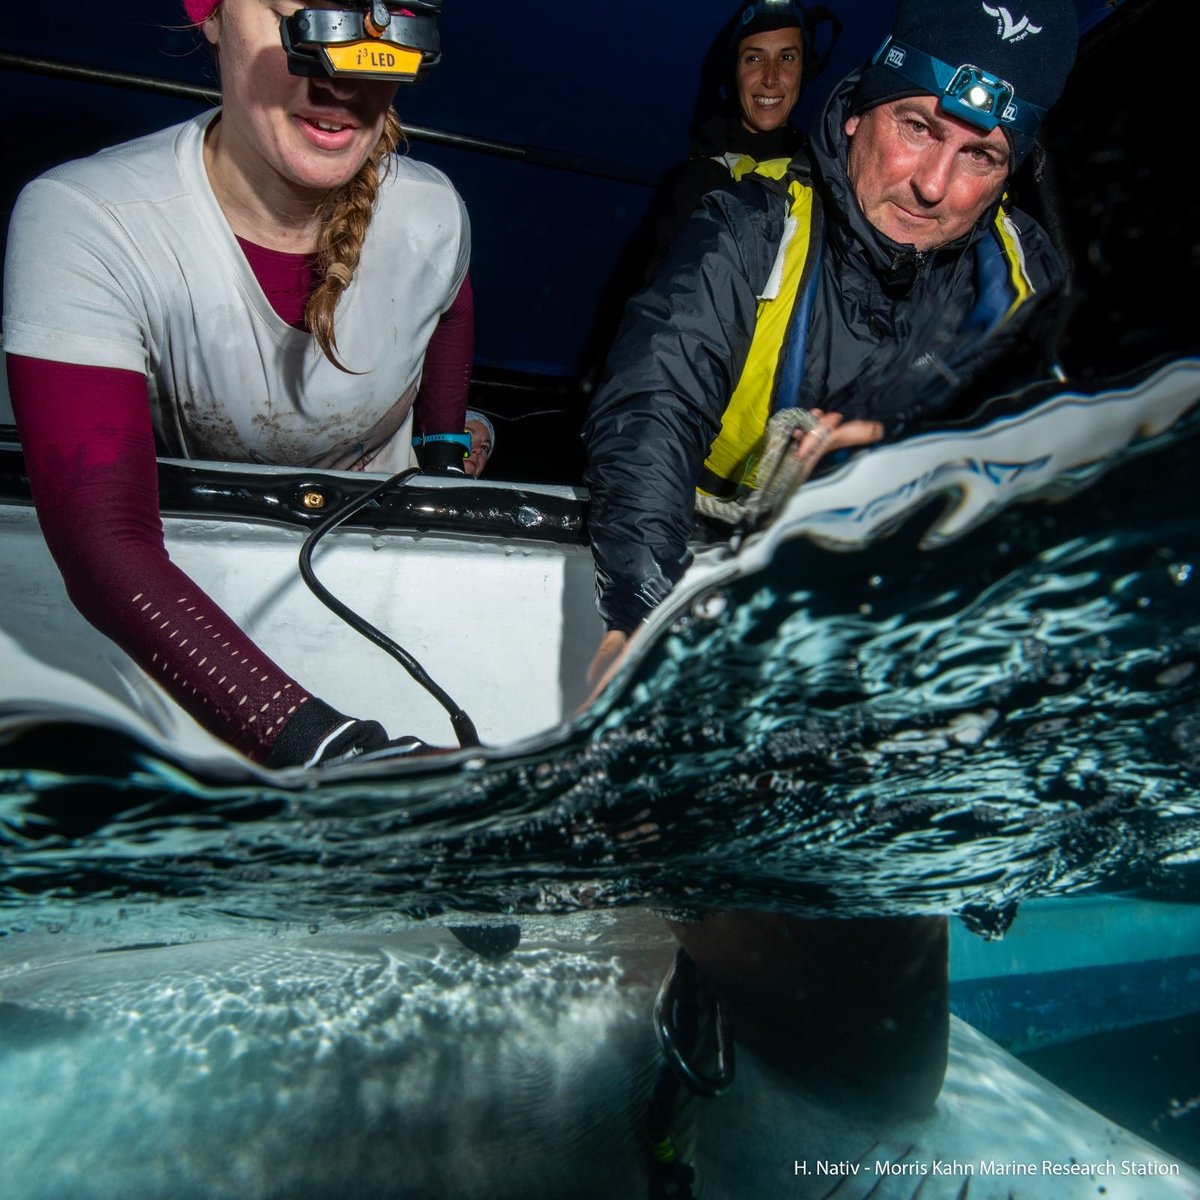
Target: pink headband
200	10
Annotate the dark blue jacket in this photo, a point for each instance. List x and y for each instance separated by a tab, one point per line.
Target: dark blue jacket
895	336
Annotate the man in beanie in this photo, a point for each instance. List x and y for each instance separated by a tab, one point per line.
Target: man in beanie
917	274
766	58
871	291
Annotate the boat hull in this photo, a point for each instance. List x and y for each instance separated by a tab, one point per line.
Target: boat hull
485	617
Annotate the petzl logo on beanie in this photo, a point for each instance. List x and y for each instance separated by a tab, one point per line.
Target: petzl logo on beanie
986	65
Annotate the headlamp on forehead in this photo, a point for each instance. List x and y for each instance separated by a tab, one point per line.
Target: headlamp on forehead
967	92
782	9
377	40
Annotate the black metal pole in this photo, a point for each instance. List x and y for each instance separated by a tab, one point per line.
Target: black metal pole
532	155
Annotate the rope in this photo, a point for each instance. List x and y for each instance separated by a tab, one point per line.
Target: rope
782	469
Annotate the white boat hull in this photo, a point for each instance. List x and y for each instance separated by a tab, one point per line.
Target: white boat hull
507	629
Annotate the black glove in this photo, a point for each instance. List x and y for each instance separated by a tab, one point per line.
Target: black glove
319	735
440	457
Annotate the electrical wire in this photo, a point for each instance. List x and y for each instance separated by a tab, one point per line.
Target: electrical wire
464	727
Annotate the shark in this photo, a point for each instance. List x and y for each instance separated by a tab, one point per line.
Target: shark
406	1064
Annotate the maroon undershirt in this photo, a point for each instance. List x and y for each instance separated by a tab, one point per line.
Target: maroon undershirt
287	281
90	455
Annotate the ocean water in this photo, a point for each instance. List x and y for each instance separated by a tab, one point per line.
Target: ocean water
1006	725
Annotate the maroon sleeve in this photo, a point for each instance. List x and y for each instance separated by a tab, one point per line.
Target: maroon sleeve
90	456
442	401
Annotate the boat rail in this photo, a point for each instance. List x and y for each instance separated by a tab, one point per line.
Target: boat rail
303	498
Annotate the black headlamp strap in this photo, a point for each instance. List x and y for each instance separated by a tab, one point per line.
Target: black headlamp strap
968	92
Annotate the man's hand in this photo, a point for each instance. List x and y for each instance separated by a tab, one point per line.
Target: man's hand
612	644
835	434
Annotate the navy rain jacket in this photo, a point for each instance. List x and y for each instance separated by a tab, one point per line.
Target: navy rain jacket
889	340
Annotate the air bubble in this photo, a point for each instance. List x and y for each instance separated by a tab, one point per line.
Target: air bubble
710	607
1173	676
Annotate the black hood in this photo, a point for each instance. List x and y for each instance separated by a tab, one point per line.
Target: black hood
725	132
895	263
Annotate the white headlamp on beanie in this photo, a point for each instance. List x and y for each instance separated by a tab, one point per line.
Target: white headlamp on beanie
983	65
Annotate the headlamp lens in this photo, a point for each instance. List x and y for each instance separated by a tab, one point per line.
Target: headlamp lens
987	94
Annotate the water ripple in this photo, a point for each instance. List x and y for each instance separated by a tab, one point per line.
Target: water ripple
886	731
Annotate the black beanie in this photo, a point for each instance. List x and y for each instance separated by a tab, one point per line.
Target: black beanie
1029	46
762	15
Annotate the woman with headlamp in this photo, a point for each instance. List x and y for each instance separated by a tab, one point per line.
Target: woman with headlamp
269	282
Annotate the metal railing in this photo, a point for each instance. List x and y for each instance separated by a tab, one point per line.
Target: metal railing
538	156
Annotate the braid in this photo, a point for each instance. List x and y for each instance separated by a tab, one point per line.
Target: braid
345	216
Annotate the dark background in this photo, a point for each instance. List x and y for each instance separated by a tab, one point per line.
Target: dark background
608	95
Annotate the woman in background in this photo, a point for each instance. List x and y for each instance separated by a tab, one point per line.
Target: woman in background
483	442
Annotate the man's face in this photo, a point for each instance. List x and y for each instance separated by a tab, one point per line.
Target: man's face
770	69
921	176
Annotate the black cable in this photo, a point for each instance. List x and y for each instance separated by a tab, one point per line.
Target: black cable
464	728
